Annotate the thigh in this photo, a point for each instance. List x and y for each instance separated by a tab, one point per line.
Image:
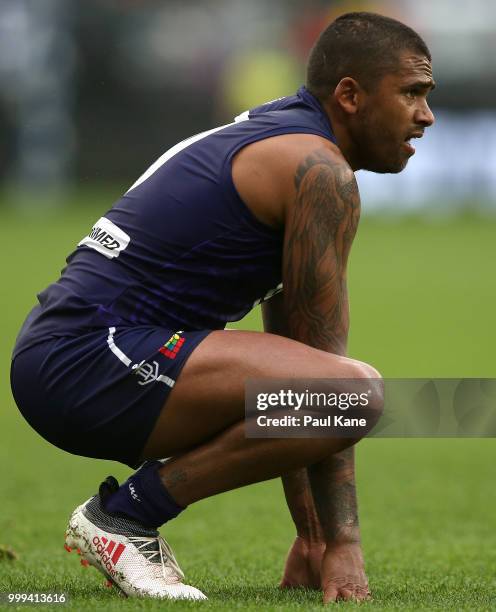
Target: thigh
208	395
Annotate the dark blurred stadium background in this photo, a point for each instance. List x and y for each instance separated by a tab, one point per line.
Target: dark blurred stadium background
91	92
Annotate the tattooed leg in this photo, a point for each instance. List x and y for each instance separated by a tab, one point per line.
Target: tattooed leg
231	460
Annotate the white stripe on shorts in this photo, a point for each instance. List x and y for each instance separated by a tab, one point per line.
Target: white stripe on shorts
150	376
116	350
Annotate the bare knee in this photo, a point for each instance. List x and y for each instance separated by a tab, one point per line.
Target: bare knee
368	380
373	380
359	369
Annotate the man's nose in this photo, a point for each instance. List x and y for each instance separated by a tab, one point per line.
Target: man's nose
424	116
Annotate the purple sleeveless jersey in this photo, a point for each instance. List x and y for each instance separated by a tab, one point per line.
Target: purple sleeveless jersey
180	249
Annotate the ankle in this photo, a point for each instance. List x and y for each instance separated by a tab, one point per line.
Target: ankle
175	481
144	498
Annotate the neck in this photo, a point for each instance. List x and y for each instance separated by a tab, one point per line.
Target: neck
344	139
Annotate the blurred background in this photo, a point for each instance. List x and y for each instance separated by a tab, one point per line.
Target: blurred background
91	93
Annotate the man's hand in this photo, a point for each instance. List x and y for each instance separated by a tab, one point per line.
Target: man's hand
338	570
303	564
343	573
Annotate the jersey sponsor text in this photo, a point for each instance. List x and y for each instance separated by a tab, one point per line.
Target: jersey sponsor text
106	238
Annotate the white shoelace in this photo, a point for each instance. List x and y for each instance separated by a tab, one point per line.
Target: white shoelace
161	554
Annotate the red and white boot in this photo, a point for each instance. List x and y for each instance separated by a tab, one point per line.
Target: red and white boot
133	557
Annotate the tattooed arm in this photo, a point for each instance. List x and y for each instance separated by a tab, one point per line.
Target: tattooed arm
319	229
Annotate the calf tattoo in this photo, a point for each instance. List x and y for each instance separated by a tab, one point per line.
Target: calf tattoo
175	477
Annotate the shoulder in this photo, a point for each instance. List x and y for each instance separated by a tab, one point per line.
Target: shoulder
322	218
324	180
270	174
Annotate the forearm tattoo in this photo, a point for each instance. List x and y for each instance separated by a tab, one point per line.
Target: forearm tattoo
333	487
301	505
319	233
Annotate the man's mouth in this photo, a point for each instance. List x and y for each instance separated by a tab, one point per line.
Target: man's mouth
407	144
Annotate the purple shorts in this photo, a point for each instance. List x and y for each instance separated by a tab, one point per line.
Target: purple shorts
100	394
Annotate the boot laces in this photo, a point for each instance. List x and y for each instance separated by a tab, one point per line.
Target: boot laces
156	550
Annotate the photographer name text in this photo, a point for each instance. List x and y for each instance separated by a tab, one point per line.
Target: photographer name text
337	420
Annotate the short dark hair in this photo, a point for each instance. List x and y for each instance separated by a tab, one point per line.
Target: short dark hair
364	46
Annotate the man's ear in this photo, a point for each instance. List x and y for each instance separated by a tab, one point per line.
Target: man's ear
347	94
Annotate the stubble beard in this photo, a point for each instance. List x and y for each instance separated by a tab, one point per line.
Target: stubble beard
368	138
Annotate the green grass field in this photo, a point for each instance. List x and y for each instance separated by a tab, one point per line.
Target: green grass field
423	301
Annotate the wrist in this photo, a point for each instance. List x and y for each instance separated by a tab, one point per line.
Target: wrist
345	535
311	541
310	529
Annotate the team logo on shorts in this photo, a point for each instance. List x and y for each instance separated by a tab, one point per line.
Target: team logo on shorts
172	347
